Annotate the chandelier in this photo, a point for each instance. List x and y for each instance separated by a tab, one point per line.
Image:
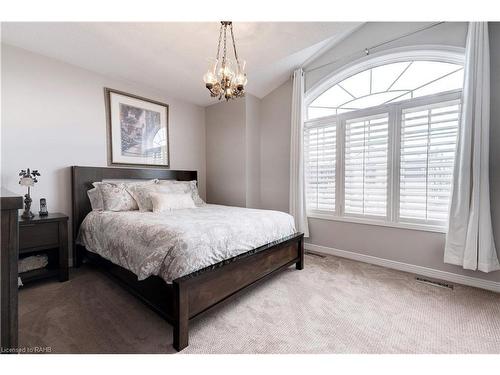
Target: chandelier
227	79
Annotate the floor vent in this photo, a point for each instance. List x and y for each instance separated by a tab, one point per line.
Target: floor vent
438	283
307	252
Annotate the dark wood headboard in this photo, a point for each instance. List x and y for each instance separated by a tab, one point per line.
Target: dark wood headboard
83	177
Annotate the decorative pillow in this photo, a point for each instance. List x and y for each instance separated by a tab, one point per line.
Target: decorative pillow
141	194
114	194
168	202
95	199
185	187
115	197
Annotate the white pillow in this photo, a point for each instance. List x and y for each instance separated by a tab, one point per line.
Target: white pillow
95	198
171	201
142	194
185	186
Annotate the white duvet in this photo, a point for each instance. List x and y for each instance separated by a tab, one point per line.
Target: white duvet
176	243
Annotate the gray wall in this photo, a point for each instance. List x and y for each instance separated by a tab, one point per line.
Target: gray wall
275	148
233	152
252	133
225	153
494	28
53	117
409	246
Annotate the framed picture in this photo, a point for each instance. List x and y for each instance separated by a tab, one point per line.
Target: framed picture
137	130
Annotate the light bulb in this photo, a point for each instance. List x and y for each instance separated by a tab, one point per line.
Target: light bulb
210	77
241	77
225	71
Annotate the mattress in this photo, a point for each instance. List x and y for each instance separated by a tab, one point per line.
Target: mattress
176	243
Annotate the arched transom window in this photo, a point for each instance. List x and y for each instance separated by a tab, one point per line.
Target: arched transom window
380	140
385	84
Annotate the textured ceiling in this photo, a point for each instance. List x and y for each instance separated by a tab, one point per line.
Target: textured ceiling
172	56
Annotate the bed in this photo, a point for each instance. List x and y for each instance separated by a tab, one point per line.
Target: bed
190	260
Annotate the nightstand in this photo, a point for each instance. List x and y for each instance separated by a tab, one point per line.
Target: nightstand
45	235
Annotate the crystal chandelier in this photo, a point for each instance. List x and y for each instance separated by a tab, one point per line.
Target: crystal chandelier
221	79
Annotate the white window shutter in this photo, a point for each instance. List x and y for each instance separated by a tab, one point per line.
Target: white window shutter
428	143
365	167
320	159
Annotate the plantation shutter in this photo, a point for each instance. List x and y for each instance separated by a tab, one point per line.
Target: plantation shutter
365	168
320	159
428	143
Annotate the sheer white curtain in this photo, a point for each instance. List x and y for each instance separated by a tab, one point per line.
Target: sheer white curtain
469	241
297	182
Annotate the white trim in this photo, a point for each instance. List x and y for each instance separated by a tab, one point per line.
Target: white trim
455	55
382	222
494	286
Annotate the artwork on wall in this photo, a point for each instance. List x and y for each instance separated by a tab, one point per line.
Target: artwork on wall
137	130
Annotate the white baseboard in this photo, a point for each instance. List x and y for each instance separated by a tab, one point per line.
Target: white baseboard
411	268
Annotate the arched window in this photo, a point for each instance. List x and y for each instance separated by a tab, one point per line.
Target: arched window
385	84
380	139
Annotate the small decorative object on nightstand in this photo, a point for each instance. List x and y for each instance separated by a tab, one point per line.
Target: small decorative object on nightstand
47	235
28	179
43	207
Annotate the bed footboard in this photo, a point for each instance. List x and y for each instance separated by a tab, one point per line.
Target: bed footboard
201	290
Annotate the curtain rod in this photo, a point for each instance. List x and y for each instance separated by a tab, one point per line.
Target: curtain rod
367	50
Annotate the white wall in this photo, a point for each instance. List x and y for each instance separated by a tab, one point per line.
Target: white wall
53	117
408	246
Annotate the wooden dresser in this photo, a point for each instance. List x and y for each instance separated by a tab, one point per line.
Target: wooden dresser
10	204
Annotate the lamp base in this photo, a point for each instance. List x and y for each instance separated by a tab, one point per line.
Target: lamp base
27	214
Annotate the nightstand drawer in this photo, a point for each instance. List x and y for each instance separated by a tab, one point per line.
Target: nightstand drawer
38	235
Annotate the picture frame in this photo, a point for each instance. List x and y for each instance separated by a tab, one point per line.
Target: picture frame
138	133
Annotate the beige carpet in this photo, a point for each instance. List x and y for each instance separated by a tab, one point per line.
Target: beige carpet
332	306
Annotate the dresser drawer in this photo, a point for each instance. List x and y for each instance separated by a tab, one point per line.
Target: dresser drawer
39	235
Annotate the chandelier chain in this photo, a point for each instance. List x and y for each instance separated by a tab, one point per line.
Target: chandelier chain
234	48
224	55
218	45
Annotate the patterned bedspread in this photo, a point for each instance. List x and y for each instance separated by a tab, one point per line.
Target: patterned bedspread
177	243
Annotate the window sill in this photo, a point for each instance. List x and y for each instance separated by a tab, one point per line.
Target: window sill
412	226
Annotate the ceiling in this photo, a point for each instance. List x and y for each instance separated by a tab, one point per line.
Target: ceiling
172	56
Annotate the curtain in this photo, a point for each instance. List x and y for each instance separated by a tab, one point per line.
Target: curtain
297	181
469	241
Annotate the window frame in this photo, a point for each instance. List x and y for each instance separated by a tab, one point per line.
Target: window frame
394	112
429	52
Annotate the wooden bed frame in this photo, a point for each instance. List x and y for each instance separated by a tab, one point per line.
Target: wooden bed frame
193	294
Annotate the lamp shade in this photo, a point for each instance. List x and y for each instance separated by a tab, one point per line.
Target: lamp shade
26	181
